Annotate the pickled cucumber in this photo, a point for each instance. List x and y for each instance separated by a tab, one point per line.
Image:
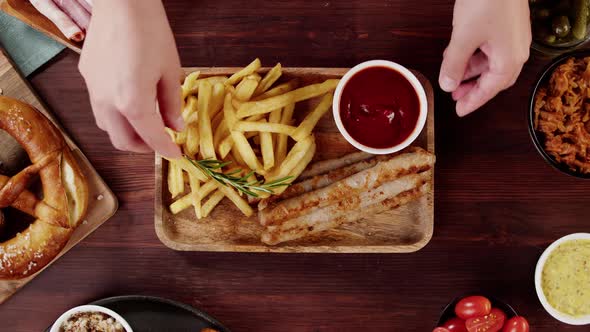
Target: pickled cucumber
561	26
580	10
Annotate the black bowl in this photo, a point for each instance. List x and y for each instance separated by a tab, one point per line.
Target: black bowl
537	137
449	311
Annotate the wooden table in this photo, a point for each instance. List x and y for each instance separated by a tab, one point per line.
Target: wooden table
498	204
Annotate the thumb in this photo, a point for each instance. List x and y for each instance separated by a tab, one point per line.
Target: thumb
169	100
463	45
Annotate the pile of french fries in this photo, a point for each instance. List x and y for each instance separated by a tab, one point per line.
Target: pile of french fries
246	122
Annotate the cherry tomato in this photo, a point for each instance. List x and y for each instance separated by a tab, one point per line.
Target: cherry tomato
491	322
440	329
455	324
516	324
473	306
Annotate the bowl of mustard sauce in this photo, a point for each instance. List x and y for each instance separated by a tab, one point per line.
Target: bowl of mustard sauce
562	279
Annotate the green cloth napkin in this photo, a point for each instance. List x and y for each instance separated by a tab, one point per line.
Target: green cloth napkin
27	47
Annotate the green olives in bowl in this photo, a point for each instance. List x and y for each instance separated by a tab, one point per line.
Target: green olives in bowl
559	25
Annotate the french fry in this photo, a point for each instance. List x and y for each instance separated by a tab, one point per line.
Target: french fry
245	151
207	149
246	88
175	179
188	167
220	133
212	202
293	159
255	118
215	79
212	80
207	188
216	121
190	107
241	203
275	117
225	146
229	112
283	140
279	128
295	172
238	158
269	79
196	200
236	103
305	128
191	147
181	137
189	83
171	133
251	68
279	90
268	156
186	201
270	104
181	204
217	96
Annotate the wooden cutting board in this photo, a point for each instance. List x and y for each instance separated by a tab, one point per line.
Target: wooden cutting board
24	11
102	202
405	229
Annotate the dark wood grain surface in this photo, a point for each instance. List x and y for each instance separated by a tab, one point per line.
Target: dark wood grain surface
497	206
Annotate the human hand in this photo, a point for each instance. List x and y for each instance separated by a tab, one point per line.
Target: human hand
501	30
130	64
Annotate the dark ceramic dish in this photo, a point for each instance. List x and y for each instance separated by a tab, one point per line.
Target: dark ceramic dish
536	136
449	310
154	314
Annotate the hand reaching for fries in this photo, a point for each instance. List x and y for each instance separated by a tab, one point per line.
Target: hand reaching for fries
131	66
241	137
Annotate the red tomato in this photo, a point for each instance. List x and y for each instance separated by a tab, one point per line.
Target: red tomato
473	306
492	322
455	324
440	329
516	324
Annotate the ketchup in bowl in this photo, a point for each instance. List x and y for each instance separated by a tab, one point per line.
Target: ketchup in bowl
379	107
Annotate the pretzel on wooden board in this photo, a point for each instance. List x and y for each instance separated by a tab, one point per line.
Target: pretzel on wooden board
64	191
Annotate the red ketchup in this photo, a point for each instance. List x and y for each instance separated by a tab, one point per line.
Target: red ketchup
379	107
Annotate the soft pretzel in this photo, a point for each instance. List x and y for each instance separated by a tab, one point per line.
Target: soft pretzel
64	191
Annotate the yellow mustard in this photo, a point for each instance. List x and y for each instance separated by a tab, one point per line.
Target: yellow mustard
566	278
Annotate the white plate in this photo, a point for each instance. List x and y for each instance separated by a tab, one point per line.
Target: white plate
412	79
565	318
89	308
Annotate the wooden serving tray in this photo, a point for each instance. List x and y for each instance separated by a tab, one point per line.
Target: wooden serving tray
102	203
24	11
406	229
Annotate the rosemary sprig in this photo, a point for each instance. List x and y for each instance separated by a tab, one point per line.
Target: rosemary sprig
212	168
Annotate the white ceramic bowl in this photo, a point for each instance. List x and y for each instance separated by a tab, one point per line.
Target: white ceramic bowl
583	320
415	84
89	308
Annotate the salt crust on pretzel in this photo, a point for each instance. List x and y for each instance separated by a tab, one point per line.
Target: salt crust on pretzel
64	191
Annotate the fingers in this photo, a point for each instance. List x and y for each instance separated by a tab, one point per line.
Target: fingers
477	65
487	87
148	123
121	133
169	100
456	58
463	89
